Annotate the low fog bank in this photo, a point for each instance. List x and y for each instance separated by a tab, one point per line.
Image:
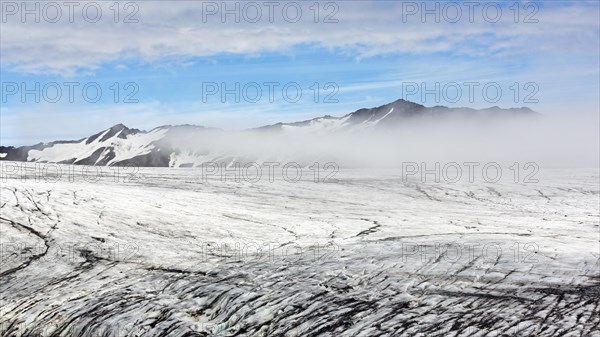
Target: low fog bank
549	141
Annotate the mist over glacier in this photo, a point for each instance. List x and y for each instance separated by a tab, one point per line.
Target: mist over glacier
547	140
384	136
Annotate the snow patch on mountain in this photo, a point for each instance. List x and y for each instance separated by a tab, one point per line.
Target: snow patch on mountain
137	144
101	150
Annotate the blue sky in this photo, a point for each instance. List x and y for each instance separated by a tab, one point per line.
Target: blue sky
369	57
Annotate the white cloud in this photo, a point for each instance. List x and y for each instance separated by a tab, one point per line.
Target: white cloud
176	30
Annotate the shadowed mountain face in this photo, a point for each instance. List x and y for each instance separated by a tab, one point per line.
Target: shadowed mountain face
188	145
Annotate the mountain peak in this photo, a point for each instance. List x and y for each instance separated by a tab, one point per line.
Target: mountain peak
119	130
118	127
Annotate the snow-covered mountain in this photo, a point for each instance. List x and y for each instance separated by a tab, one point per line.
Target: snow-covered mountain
190	145
390	115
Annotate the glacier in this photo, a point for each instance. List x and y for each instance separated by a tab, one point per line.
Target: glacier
365	254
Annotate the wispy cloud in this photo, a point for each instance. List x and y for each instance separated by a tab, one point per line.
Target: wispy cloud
176	30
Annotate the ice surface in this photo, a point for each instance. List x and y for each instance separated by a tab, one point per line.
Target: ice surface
366	254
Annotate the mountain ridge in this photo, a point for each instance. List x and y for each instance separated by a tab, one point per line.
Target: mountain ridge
169	145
